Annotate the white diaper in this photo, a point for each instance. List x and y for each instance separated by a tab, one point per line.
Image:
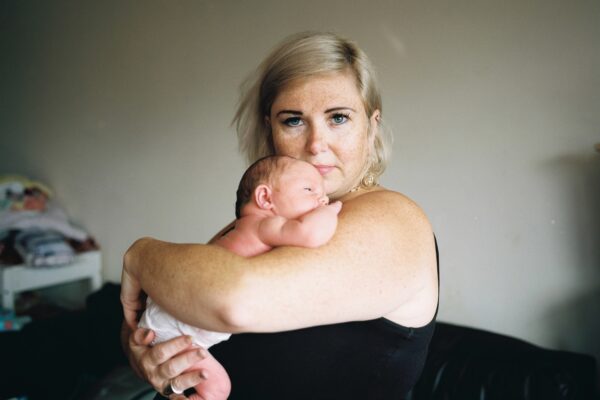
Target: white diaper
166	327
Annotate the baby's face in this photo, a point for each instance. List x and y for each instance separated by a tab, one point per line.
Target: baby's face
298	189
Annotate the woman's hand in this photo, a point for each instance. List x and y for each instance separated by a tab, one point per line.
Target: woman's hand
165	363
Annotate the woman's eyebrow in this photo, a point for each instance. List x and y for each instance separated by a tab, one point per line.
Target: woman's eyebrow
329	110
339	109
294	112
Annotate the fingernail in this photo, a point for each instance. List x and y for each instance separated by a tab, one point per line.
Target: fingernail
202	353
146	333
203	374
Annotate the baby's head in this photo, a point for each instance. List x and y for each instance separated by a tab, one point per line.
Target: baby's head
283	185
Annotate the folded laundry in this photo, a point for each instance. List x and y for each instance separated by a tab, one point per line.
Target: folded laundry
25	203
43	248
34	226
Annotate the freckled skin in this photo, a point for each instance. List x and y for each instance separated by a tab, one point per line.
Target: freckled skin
323	121
383	240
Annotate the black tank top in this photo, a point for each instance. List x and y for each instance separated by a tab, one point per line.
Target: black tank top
376	359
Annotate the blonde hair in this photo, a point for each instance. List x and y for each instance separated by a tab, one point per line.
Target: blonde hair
299	56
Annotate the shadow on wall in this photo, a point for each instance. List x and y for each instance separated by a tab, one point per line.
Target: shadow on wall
582	181
575	323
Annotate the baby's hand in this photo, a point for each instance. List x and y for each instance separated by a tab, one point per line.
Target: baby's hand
335	206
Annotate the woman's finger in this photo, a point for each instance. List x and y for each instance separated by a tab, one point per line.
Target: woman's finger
164	351
181	363
167	373
188	380
143	337
177	397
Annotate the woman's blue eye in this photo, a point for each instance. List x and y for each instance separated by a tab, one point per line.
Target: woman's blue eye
339	118
293	121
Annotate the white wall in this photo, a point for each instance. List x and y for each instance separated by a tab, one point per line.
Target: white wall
124	107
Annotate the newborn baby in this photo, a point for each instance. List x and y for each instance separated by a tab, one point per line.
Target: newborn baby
281	201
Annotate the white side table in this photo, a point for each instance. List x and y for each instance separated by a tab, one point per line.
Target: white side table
17	278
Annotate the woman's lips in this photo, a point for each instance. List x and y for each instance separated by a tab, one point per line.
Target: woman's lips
324	169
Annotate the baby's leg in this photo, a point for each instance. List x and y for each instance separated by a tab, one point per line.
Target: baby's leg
217	385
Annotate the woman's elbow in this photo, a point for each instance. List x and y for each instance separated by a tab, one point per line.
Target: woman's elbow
133	252
234	318
233	311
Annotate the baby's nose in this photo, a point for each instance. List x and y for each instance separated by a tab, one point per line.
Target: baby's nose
324	200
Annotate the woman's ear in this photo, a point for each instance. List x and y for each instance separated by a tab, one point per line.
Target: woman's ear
374	121
263	197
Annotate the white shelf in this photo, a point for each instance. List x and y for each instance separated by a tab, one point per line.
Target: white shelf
18	278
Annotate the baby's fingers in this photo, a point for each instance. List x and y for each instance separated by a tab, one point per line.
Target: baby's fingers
337	206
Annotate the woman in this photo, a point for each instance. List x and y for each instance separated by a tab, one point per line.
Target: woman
351	319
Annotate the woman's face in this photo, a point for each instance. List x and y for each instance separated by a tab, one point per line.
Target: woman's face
322	120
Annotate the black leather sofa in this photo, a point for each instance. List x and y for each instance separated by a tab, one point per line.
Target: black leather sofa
472	364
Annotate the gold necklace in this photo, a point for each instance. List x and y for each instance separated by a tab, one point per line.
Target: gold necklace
367	181
361	186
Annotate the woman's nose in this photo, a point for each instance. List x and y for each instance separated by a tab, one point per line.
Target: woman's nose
317	141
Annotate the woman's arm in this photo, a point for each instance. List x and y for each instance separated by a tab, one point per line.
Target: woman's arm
380	259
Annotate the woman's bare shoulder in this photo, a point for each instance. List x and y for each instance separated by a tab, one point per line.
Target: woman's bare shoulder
387	206
380	196
403	229
391	225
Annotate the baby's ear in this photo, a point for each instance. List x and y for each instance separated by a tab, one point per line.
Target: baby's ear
263	197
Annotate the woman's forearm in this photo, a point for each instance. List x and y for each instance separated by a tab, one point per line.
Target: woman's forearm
193	282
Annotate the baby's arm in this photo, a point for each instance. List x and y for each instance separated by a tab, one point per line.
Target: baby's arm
312	229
